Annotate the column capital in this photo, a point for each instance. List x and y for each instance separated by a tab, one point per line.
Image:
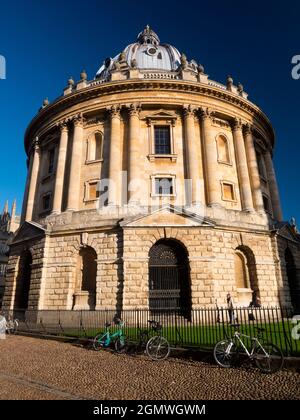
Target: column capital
63	125
114	111
205	113
237	124
248	128
134	109
78	120
189	110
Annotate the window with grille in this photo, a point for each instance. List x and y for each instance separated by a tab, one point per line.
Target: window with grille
162	139
164	186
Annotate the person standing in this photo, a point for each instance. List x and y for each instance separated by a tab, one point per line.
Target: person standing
230	308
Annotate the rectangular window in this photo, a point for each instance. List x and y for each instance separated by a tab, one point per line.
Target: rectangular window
228	192
46	202
164	186
51	155
162	139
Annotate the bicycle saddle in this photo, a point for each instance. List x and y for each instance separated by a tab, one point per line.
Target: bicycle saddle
107	324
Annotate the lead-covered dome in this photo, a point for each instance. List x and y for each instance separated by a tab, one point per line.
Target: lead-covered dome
145	54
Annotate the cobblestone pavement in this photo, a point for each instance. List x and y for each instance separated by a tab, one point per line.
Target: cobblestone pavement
32	368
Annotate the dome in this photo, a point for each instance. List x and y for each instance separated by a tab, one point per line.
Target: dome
145	54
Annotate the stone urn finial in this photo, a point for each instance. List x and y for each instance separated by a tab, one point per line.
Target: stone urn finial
200	69
184	62
229	81
45	102
83	75
240	88
71	82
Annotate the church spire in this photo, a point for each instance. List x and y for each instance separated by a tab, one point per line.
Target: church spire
13	210
5	210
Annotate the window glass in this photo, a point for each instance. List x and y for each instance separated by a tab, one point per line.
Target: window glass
162	139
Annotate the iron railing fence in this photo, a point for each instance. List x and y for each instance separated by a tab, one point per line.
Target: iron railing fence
201	328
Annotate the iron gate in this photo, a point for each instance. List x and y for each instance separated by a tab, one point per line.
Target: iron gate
169	286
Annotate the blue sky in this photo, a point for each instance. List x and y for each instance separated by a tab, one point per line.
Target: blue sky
46	42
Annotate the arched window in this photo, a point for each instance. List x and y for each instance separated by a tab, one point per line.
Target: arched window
240	268
223	149
94	147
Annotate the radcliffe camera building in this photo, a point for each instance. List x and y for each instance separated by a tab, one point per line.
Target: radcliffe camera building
191	210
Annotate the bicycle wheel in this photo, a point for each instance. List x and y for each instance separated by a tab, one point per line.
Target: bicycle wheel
121	344
225	353
158	348
100	341
269	359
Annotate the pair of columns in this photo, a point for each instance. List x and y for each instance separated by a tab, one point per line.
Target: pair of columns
248	175
247	168
75	170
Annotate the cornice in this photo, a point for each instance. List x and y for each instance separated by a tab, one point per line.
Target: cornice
62	103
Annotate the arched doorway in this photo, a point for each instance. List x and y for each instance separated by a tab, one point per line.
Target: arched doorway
23	281
86	276
169	278
291	272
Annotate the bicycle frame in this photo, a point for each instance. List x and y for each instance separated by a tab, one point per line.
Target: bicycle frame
256	343
110	337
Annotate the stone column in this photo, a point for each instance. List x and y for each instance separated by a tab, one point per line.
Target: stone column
33	180
275	199
242	167
76	161
213	186
26	191
134	150
253	170
192	152
60	169
115	167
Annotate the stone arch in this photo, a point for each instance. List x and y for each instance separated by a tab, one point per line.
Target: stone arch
245	271
169	277
291	272
23	280
86	279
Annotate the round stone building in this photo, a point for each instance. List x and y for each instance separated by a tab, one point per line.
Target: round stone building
151	186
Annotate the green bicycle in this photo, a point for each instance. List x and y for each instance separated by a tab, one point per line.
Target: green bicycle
104	339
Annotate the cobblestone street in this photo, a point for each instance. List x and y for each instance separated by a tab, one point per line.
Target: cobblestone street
32	368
